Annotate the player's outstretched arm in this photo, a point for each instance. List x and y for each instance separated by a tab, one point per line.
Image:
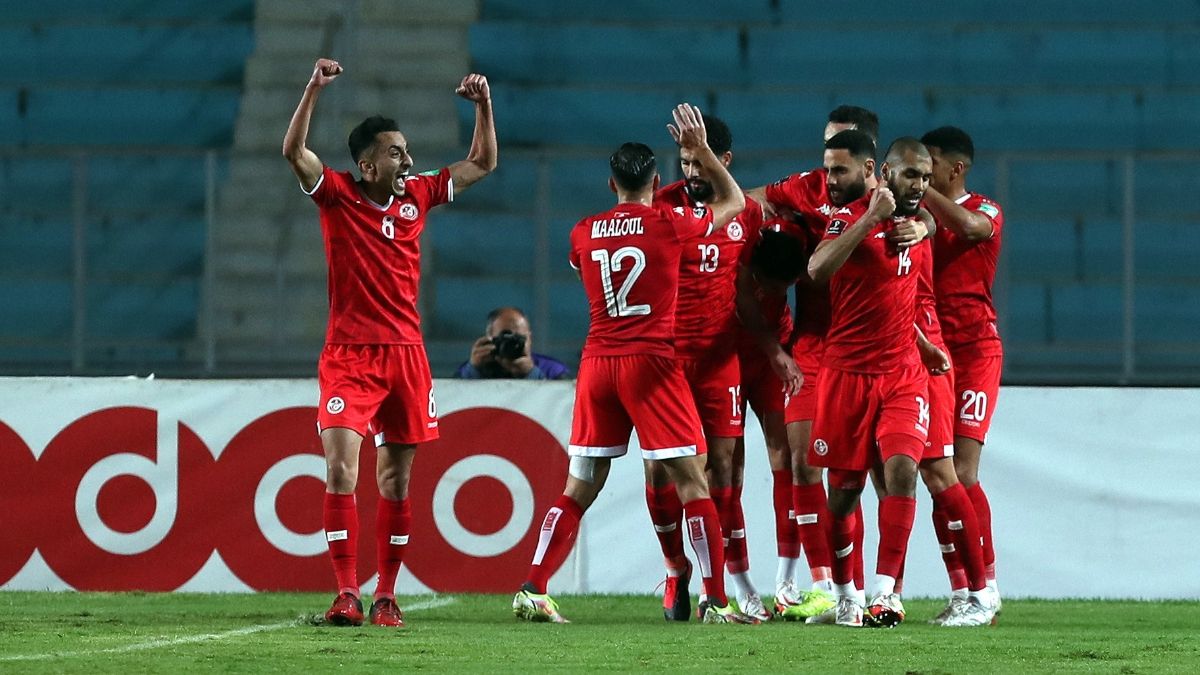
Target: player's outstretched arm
831	254
759	194
305	163
968	224
933	358
481	159
689	132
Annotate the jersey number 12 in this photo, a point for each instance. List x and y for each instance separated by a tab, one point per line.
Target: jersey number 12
618	303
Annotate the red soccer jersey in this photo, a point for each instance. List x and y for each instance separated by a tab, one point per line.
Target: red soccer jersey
774	307
705	312
874	299
629	258
374	256
963	276
806	195
927	316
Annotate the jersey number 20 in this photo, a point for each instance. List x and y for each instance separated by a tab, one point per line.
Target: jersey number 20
618	303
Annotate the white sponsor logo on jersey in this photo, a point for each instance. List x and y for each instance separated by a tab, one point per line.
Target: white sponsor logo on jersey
408	211
825	209
335	405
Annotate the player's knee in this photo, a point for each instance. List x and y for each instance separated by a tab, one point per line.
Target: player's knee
901	477
341	477
938	475
966	471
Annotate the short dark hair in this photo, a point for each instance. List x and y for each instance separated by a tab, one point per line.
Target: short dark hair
779	256
951	141
905	144
633	166
859	143
864	120
362	137
719	137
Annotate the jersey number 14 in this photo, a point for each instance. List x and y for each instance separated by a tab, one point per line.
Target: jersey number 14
618	303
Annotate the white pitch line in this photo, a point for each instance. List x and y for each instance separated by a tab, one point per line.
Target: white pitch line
190	639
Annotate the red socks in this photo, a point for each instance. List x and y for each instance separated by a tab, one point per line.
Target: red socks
787	534
812	518
704	532
841	543
666	514
393	520
896	516
950	551
963	528
983	514
340	520
555	539
737	555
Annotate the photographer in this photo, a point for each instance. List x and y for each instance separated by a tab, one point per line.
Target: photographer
506	351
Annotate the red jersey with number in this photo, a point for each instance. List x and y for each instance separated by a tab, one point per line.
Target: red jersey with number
374	256
705	312
927	315
629	259
874	298
806	195
774	307
963	272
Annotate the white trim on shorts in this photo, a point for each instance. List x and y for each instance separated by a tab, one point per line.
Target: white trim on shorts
597	450
670	453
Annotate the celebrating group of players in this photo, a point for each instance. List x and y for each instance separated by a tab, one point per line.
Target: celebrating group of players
687	286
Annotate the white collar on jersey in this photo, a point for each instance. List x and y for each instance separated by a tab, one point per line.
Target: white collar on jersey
962	199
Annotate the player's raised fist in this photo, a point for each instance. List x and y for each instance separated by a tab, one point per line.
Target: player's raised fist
688	130
474	87
324	72
883	203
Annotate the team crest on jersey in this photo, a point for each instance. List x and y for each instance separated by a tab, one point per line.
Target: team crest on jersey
408	211
734	230
836	226
821	447
335	405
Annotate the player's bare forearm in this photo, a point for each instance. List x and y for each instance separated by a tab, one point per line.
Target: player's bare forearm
728	199
304	162
831	254
750	314
965	223
759	194
484	153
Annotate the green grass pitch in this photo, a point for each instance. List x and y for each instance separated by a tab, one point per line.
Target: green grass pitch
274	632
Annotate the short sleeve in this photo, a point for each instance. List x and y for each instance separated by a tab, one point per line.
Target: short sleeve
789	192
691	223
991	211
431	188
329	186
573	254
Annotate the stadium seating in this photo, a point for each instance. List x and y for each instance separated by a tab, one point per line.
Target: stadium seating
461	304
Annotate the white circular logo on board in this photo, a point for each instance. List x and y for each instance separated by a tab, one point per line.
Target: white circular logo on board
408	211
335	405
734	230
821	447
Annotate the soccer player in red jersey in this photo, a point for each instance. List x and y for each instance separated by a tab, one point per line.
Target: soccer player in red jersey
967	247
629	260
871	386
373	373
705	346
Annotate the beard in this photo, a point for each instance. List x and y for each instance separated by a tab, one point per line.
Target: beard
902	203
849	194
699	190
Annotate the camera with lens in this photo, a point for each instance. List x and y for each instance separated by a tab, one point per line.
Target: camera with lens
509	345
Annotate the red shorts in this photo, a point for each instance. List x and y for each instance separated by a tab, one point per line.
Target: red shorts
380	390
616	394
762	389
715	382
976	385
807	352
861	418
941	416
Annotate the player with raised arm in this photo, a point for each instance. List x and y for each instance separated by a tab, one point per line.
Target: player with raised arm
373	373
871	386
629	260
705	346
967	247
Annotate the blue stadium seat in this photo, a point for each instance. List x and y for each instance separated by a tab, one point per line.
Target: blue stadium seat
512	186
1068	121
156	247
128	53
12	128
1103	258
983	13
1183	68
1159	184
461	304
129	116
1167	314
36	307
141	182
583	53
1064	188
1164	114
480	243
818	56
1089	314
129	10
1053	56
40	247
1041	249
1027	315
568	310
579	186
165	311
36	183
1162	251
641	11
